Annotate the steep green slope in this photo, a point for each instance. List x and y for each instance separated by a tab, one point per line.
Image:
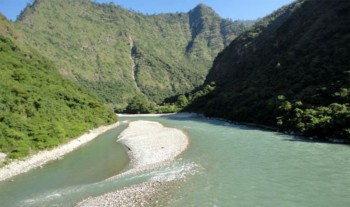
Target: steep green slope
291	70
38	108
119	53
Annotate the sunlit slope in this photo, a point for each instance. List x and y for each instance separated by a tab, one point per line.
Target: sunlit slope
40	109
120	54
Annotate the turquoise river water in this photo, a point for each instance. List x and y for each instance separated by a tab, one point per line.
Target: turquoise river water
238	166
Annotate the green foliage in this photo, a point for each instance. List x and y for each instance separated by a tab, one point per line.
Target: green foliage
167	108
139	105
302	52
120	54
321	121
38	108
182	101
198	98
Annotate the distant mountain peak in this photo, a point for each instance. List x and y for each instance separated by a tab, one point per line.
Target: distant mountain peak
89	41
5	27
202	6
203	9
287	71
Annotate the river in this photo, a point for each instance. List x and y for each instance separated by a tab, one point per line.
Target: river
238	166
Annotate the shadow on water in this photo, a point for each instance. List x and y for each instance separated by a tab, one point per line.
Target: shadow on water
244	126
254	127
220	122
299	138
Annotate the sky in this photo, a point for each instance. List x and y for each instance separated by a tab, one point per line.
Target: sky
232	9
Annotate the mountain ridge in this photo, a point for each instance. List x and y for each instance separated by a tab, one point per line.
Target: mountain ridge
170	55
288	71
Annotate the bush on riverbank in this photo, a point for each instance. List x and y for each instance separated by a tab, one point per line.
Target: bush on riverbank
38	108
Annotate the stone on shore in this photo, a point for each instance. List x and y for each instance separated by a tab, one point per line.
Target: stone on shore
150	146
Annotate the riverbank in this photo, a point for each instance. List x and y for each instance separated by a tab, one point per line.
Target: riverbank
43	157
149	143
150	146
171	115
2	157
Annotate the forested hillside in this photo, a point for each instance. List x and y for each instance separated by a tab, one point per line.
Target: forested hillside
38	108
120	54
290	70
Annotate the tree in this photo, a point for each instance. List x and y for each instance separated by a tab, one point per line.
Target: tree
138	105
182	101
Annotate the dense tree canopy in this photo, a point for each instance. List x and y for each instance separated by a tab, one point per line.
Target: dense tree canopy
38	108
119	54
290	70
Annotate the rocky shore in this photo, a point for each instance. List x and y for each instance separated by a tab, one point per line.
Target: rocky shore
2	157
43	157
150	146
